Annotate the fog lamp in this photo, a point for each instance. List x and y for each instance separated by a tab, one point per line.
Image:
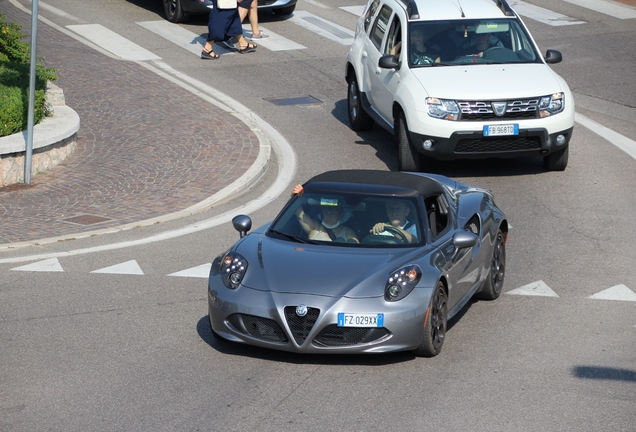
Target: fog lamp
560	140
428	144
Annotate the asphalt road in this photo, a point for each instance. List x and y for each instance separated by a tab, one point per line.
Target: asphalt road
131	350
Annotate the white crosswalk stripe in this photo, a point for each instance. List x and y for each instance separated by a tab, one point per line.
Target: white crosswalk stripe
610	8
323	27
540	14
111	41
275	42
356	10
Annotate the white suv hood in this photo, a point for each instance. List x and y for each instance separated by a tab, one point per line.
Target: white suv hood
474	82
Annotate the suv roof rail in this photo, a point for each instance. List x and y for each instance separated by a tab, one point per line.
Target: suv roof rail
411	10
505	7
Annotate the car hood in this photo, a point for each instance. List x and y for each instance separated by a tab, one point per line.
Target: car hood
488	82
328	270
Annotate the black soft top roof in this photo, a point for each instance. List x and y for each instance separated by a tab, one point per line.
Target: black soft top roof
375	181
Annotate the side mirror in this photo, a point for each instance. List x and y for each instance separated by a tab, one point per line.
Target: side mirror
553	56
388	62
465	239
242	224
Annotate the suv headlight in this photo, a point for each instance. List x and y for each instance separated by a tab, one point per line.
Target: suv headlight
551	104
445	109
233	268
401	282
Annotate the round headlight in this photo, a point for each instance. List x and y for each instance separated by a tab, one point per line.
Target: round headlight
235	278
394	290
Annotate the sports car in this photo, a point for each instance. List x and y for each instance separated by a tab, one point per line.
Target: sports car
370	283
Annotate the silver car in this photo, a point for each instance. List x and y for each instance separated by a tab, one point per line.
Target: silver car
179	10
369	284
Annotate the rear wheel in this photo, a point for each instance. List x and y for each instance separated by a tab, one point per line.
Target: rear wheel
173	10
358	117
436	321
408	158
285	11
494	282
557	161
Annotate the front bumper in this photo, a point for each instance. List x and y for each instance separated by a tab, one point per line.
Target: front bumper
474	145
268	319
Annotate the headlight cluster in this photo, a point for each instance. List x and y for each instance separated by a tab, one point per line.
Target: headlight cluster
233	268
445	109
401	282
551	104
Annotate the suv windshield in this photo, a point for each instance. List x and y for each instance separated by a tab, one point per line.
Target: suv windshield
350	218
468	42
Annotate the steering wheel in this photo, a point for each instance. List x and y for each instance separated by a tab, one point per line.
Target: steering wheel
401	237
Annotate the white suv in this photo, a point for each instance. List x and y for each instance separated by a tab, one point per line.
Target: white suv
457	79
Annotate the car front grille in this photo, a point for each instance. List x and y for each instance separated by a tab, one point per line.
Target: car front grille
498	144
263	328
333	335
516	109
301	326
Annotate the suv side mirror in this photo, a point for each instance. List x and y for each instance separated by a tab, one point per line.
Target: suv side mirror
553	56
389	61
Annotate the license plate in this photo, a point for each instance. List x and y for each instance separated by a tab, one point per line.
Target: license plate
360	320
498	130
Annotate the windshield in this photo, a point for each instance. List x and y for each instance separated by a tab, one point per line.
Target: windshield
466	42
353	220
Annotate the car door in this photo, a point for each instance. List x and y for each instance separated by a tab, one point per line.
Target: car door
382	83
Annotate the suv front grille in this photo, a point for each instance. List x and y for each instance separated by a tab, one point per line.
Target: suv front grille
497	144
483	110
301	326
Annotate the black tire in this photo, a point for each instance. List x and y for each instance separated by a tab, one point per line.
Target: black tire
285	11
436	322
557	161
358	117
408	158
174	11
495	280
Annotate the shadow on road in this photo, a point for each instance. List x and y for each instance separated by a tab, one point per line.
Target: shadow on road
604	373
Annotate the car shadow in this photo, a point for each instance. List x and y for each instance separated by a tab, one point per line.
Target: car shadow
238	349
386	150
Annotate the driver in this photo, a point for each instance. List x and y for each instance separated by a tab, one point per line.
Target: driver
397	211
330	227
479	43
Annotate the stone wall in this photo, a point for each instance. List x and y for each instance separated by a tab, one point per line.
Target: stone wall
54	140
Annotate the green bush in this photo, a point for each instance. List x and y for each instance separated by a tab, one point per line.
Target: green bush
15	57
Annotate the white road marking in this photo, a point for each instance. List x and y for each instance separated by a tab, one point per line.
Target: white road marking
356	10
202	271
48	265
540	14
610	8
275	42
620	141
112	42
128	267
617	292
176	34
538	288
323	27
315	3
57	11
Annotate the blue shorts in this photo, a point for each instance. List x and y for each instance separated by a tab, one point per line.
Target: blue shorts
245	4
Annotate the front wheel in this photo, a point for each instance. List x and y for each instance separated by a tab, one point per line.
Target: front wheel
557	161
408	158
173	10
435	326
495	280
358	117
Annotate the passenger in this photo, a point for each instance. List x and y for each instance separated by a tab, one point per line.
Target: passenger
397	211
421	53
330	227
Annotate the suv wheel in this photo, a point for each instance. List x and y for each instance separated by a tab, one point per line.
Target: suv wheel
173	10
358	117
557	161
408	158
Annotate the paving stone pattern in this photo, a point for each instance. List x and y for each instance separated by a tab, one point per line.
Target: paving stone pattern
146	147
